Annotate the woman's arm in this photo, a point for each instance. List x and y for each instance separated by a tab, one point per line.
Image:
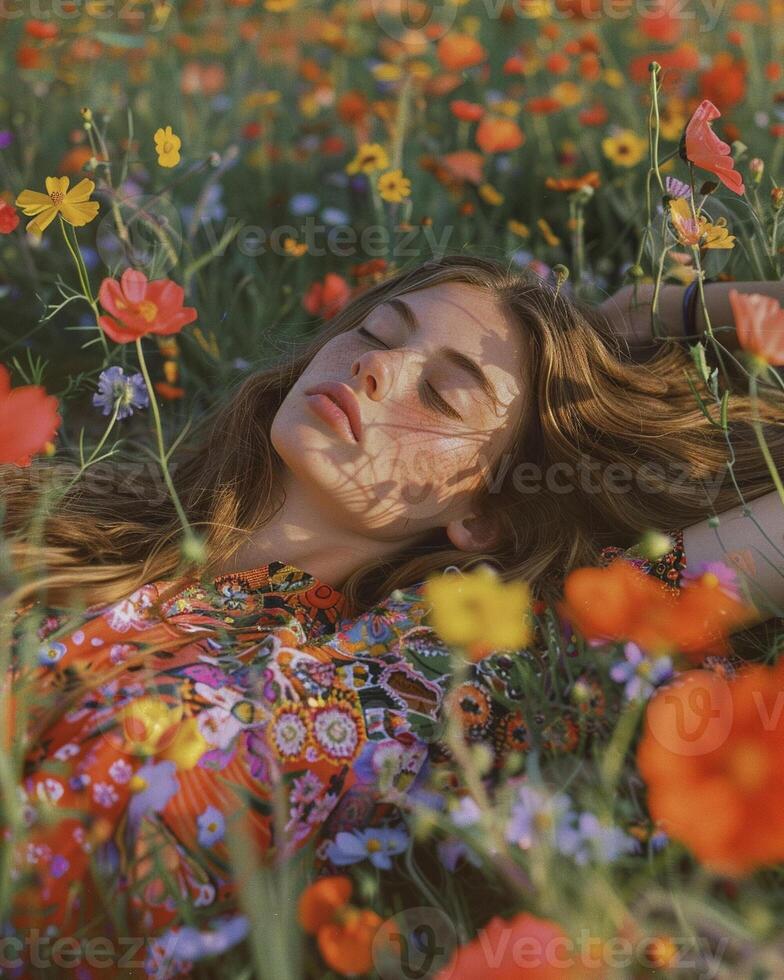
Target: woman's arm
752	544
630	315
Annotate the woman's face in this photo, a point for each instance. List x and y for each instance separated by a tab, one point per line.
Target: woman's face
431	429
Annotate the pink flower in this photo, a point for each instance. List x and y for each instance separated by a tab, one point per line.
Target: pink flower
706	150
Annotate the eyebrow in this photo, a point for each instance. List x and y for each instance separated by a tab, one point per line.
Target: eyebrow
458	358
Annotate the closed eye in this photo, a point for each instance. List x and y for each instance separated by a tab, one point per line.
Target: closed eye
430	395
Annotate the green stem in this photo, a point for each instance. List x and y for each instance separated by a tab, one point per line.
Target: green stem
84	282
161	445
757	423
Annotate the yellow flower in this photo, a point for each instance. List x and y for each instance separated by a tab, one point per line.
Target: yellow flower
167	146
507	107
478	611
488	193
386	72
370	157
292	247
148	724
279	6
625	149
705	234
72	205
518	228
567	93
549	235
716	234
671	126
393	186
613	78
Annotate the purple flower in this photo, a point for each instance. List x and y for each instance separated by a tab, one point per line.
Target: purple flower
640	673
539	816
6	138
212	826
676	188
115	388
377	845
723	576
158	784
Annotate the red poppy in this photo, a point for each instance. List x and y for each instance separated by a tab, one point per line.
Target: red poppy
9	218
595	115
514	65
543	105
676	64
663	22
525	946
41	30
590	67
327	297
344	933
704	148
353	107
498	135
557	63
759	324
466	111
724	82
28	420
139	307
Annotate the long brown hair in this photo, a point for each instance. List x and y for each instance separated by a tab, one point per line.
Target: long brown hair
589	402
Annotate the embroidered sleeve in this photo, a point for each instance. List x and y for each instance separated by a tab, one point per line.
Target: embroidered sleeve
669	568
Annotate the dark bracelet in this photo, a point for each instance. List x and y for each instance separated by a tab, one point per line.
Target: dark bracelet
690	311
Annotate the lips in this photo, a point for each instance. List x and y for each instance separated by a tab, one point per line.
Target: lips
346	401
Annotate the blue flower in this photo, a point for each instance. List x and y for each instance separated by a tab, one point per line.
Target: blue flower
155	784
303	204
538	816
604	842
640	673
334	216
212	826
50	652
114	387
377	845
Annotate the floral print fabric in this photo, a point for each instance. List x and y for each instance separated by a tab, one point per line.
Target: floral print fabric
163	726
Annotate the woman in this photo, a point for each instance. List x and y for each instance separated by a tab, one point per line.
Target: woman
468	414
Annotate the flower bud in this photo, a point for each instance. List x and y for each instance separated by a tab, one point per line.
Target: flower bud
777	198
756	169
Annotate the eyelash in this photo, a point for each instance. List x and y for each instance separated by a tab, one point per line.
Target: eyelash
432	397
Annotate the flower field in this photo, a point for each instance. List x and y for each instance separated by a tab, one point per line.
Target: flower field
189	190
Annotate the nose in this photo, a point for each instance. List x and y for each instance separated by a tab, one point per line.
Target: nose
374	372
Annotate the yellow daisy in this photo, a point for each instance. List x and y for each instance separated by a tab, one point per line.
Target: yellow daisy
625	149
370	157
72	204
294	248
167	146
393	186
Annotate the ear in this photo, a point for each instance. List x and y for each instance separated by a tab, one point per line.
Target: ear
472	533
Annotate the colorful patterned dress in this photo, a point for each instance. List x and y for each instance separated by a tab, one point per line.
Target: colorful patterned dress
160	729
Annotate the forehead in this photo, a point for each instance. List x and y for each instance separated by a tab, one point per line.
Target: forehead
469	319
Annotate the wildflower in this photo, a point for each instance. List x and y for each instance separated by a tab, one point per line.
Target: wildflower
676	188
504	940
625	149
547	232
378	845
115	388
41	420
466	111
212	826
139	307
705	150
167	146
538	817
714	574
456	51
369	157
759	324
344	933
495	134
518	228
601	841
569	184
702	233
721	744
489	194
9	219
639	673
480	612
463	165
393	186
328	297
72	205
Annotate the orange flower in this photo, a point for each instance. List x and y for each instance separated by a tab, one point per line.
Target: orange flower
724	82
557	63
344	934
519	948
514	65
353	106
320	900
748	13
595	115
543	105
663	23
28	420
622	603
759	324
456	52
327	298
139	307
676	64
497	135
704	148
568	184
719	744
466	111
464	165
